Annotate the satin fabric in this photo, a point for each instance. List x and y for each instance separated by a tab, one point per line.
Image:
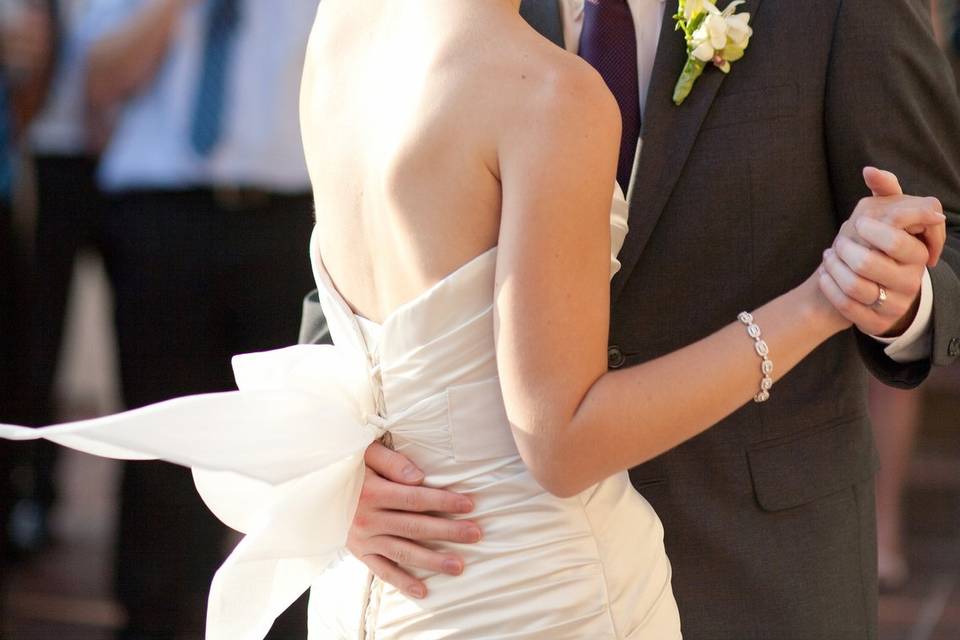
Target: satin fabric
281	460
592	566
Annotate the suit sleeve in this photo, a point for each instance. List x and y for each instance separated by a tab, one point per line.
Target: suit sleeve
313	326
891	102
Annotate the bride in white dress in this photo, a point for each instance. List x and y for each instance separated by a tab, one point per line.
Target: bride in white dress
463	170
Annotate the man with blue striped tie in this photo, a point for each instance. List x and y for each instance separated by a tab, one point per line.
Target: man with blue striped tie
210	213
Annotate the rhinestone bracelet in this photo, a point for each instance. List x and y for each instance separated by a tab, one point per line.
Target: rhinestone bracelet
763	350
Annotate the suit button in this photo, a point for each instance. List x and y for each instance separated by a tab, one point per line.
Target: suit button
954	349
615	358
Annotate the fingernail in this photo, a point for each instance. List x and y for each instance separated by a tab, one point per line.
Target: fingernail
453	567
465	505
471	534
417	591
412	473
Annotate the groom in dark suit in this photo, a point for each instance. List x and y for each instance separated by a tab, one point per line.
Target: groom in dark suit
769	517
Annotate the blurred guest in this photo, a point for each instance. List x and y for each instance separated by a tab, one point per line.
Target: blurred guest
955	43
955	28
6	330
209	217
69	212
24	60
896	419
946	28
26	38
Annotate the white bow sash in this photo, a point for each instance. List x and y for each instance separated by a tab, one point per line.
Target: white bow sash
280	460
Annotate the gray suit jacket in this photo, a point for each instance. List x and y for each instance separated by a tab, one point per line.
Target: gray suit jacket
769	515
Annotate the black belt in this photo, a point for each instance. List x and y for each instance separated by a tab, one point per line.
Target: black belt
226	198
242	198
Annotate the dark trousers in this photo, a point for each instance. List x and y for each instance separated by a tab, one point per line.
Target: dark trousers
9	321
14	319
7	372
7	311
70	215
197	279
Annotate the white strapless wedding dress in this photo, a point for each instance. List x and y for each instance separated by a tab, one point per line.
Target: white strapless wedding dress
282	461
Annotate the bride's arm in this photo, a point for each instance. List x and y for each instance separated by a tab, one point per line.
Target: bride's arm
575	423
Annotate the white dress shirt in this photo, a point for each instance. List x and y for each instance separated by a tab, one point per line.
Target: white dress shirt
916	343
260	144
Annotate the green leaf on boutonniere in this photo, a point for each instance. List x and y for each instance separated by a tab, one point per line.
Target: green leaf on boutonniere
691	71
713	37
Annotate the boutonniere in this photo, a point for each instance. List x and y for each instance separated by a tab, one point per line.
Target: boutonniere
713	37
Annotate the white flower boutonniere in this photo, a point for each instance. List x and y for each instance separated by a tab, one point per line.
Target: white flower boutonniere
713	36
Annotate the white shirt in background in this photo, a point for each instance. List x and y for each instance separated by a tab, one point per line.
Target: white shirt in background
260	145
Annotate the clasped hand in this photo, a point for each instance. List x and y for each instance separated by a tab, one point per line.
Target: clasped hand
887	244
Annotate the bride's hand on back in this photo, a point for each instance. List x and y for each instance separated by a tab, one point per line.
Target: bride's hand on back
396	515
887	243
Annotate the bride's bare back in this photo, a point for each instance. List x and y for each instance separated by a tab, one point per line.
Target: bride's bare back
404	106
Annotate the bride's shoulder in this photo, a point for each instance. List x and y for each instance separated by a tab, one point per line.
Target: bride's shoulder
565	81
547	85
560	118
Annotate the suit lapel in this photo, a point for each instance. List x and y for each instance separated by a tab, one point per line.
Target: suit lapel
545	17
669	133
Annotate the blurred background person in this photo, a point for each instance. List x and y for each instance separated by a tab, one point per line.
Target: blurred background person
67	218
955	42
27	34
896	414
25	60
896	417
7	319
946	26
210	213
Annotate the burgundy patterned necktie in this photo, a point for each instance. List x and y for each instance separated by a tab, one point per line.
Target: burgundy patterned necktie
609	43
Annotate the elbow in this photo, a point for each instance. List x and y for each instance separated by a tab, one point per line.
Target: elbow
556	471
562	488
550	452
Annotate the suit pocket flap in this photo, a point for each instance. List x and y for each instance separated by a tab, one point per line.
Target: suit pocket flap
789	472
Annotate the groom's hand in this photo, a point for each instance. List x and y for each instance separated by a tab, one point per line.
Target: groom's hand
885	185
394	517
888	242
